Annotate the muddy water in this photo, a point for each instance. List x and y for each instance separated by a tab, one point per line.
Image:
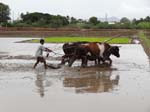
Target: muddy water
123	87
10	49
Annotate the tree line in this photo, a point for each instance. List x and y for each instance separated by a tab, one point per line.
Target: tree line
37	19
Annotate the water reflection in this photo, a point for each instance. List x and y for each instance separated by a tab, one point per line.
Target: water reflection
93	82
41	82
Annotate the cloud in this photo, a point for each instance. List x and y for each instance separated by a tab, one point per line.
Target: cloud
83	8
147	2
134	9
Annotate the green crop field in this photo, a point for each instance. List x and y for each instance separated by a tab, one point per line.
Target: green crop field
118	40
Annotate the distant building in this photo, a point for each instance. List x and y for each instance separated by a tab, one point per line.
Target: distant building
111	22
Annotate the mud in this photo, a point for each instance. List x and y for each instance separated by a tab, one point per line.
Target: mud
122	87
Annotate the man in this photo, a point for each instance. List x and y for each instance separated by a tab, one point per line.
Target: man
39	54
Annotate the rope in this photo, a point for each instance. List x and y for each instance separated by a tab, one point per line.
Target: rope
115	36
57	53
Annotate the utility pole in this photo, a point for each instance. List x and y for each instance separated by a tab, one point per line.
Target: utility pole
18	16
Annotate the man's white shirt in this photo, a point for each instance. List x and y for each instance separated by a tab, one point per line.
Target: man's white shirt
39	52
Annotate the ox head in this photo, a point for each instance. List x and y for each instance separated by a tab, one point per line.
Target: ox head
114	50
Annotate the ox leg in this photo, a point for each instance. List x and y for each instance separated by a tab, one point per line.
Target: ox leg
72	60
84	61
63	60
100	60
95	61
110	61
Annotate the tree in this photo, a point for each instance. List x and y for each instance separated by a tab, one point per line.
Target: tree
93	20
73	20
143	25
38	19
4	13
125	20
147	19
134	21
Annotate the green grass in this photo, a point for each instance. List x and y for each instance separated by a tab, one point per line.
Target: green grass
121	40
145	40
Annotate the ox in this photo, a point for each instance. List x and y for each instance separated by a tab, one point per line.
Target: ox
69	49
94	51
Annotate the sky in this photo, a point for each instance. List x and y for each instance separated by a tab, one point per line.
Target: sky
82	8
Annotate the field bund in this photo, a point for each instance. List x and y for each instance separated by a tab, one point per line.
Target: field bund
48	32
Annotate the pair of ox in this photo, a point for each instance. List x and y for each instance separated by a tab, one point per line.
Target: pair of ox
85	51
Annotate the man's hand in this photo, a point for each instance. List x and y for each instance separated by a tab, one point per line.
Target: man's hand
48	50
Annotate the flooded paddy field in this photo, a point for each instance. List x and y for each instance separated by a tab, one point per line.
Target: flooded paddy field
122	87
